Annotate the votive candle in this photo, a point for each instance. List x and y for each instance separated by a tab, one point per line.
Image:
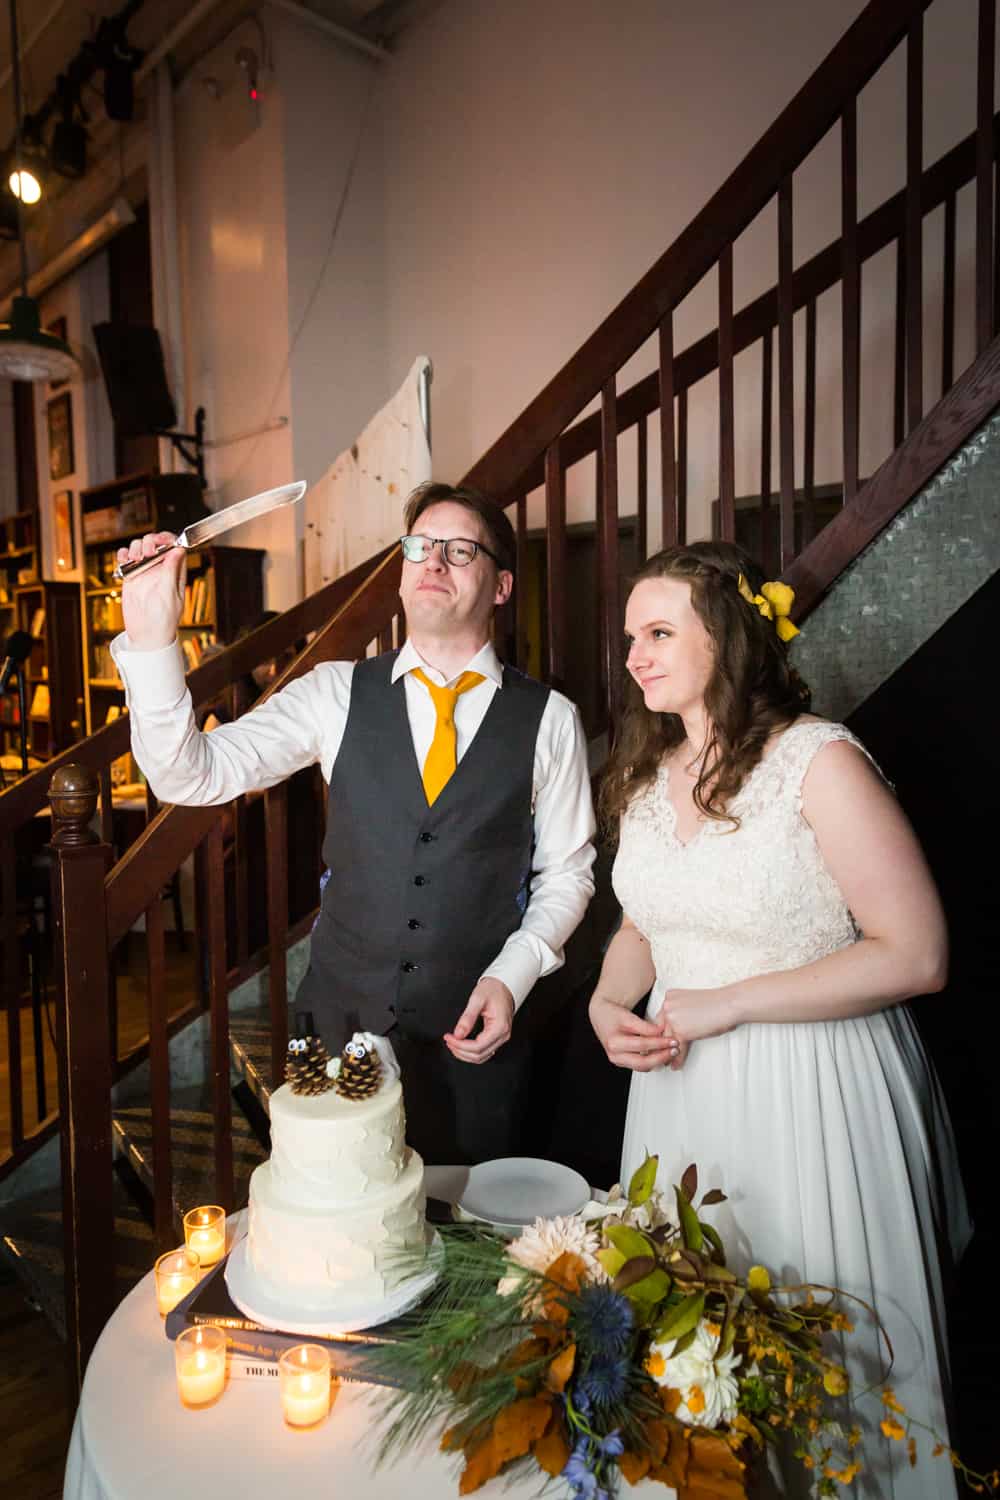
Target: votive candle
305	1384
205	1233
200	1354
175	1274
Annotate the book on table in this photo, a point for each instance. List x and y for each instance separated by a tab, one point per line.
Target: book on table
252	1347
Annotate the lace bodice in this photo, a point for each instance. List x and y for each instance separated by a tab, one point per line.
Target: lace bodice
729	903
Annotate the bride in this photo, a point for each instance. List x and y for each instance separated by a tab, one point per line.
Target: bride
777	904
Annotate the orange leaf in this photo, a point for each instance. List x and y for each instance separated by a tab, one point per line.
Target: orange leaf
520	1424
464	1376
670	1399
480	1465
634	1466
450	1439
552	1450
564	1275
567	1271
561	1369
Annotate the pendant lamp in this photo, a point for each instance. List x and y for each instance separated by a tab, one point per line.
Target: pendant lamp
26	353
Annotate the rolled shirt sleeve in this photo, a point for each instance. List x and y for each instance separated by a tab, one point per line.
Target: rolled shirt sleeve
301	724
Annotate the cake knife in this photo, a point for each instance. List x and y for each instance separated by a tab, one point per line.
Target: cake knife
216	523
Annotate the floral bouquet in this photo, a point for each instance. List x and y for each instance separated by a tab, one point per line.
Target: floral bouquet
619	1344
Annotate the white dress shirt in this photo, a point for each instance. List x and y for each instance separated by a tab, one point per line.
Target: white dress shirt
305	722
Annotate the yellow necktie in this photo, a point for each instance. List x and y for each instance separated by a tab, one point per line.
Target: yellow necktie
442	757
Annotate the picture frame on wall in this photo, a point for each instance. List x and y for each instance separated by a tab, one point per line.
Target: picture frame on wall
63	538
61	458
57	328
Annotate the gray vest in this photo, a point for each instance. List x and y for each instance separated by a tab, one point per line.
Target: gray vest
420	899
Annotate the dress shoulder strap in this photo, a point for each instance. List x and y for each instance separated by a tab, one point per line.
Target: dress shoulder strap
798	746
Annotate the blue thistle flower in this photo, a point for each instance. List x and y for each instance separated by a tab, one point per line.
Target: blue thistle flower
605	1381
603	1320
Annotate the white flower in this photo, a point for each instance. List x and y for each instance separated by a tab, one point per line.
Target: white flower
657	1210
544	1241
704	1378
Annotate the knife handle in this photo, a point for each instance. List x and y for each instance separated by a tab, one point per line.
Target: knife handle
128	570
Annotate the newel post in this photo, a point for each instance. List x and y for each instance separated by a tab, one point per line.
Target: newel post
79	867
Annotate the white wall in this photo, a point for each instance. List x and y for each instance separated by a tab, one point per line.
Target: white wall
234	288
540	157
8	471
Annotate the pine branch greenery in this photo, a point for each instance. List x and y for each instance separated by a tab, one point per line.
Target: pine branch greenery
628	1348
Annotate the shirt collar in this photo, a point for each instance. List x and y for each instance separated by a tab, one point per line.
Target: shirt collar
485	661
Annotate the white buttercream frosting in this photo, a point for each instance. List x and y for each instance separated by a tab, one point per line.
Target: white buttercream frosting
340	1198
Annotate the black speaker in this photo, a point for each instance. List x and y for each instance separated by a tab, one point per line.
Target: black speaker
135	378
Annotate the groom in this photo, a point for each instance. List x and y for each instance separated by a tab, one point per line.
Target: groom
459	824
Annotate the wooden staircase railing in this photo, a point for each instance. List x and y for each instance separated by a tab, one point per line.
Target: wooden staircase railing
552	435
31	1103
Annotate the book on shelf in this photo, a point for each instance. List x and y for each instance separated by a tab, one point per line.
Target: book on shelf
37	627
40	702
253	1344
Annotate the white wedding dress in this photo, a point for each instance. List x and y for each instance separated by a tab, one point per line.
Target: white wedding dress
830	1137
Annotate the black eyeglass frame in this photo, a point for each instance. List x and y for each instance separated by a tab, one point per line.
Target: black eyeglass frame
444	542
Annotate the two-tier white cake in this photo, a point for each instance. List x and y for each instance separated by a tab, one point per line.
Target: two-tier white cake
340	1199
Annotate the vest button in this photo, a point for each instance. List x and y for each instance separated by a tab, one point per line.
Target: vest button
420	880
413	924
407	967
427	838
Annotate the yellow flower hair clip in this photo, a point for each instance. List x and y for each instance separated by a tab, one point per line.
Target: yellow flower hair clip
775	602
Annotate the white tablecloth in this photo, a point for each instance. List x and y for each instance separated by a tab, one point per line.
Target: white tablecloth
132	1439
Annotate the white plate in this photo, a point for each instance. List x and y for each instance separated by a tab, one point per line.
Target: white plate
516	1190
283	1315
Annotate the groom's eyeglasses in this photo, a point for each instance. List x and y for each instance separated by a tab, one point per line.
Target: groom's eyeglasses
458	550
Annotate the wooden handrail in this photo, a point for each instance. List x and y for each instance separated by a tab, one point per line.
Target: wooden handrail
175	831
815	276
269	641
798	129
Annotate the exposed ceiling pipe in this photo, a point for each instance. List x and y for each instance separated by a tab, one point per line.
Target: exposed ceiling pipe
117	217
176	34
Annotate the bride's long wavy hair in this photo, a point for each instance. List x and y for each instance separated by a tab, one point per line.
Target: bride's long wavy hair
753	689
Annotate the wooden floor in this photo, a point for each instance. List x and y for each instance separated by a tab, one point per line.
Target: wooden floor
35	1410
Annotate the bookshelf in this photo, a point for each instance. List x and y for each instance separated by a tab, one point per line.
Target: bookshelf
50	611
224	591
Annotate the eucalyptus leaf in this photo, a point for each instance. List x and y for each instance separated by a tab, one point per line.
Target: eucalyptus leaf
714	1195
689	1182
715	1240
690	1228
612	1260
650	1290
682	1318
629	1241
643	1181
633	1270
719	1273
684	1342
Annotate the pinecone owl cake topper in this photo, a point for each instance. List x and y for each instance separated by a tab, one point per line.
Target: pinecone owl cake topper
306	1066
360	1071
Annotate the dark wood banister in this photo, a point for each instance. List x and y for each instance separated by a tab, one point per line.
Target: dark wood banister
175	831
502	471
21	801
884	224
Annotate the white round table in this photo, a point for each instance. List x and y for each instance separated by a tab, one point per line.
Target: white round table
132	1439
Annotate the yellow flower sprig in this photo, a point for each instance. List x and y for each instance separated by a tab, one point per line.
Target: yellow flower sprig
774	602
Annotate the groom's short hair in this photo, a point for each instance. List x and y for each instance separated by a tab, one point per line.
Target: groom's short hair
498	528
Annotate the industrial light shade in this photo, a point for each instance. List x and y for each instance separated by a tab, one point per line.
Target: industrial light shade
26	353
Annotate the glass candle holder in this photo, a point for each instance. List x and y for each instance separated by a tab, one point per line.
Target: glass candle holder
200	1354
305	1384
205	1233
175	1274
